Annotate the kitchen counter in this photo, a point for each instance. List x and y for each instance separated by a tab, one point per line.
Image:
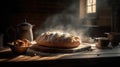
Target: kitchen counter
86	57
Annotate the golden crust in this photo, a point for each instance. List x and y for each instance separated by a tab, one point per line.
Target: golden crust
58	40
21	43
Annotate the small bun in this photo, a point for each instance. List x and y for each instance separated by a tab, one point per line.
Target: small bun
21	43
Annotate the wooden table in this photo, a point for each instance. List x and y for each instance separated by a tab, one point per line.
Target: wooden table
83	57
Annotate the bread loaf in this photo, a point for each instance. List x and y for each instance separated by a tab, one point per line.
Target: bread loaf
58	40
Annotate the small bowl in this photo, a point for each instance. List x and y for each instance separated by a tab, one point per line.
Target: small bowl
18	50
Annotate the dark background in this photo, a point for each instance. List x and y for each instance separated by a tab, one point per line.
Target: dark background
37	11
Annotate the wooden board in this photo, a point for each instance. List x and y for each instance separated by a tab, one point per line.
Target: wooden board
60	50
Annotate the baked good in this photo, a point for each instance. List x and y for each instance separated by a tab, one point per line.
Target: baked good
58	40
19	46
21	43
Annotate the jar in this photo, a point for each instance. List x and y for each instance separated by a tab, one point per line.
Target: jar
114	38
24	31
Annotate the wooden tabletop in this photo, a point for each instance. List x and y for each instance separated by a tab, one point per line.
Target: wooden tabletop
6	55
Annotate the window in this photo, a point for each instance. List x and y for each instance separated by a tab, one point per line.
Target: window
91	6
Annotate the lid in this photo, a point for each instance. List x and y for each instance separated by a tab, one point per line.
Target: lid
25	23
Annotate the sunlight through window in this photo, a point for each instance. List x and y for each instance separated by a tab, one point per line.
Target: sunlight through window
91	6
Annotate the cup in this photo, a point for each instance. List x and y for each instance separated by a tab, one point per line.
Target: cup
102	42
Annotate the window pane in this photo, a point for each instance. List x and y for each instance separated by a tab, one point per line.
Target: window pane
89	10
94	1
89	2
94	9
